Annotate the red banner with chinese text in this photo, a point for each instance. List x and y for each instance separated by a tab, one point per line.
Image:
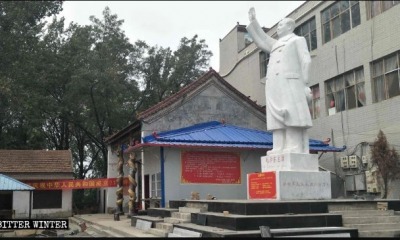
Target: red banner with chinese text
210	167
75	183
261	185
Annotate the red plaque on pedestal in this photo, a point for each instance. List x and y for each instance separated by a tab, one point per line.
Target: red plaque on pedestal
261	185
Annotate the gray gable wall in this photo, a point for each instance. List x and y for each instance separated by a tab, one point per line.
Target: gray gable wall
212	101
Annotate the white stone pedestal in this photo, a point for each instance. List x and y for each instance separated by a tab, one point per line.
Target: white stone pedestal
290	162
289	176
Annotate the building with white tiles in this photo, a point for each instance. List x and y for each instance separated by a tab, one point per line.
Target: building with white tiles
354	77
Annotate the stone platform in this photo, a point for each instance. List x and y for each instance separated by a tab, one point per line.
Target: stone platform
242	218
289	176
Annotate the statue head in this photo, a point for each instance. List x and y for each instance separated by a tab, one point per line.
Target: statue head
285	27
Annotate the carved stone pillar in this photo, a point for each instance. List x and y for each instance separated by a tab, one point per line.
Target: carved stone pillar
120	190
132	183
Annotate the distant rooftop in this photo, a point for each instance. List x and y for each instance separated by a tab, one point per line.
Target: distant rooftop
35	161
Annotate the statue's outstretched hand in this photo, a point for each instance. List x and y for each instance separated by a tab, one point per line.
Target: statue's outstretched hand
252	14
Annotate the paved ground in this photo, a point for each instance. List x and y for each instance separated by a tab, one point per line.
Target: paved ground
103	225
95	225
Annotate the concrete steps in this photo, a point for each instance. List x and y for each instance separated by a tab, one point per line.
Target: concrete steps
380	234
191	210
176	220
165	226
153	220
375	226
368	219
364	213
97	231
215	232
158	232
184	233
178	216
161	212
352	206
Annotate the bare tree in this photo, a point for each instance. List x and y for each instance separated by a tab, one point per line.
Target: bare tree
386	160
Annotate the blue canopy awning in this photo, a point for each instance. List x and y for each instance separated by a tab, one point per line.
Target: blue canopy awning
10	184
215	134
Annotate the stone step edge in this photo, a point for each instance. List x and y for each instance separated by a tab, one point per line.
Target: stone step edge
376	233
367	224
165	209
375	219
110	229
167	226
158	232
360	210
383	230
110	232
227	233
191	210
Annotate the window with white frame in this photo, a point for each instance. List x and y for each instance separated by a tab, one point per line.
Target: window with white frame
156	185
264	59
385	78
339	18
309	32
314	107
377	7
345	91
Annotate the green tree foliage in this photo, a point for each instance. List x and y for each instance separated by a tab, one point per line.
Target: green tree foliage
165	72
70	87
21	25
386	160
107	89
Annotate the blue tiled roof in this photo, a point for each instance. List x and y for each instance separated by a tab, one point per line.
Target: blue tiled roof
217	134
11	184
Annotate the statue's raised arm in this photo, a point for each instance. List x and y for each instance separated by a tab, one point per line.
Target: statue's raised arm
252	14
262	40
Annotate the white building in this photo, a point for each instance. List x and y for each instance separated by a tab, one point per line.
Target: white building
34	165
354	76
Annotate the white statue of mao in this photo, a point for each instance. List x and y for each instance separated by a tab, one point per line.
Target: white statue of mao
286	90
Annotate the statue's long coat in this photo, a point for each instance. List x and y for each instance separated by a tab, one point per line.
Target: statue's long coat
285	87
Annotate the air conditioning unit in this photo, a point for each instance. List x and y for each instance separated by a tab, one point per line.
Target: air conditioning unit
353	161
344	162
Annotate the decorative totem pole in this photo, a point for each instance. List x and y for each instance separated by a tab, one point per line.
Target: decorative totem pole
132	162
119	192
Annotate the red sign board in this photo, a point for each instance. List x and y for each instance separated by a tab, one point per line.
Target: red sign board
74	183
210	167
261	185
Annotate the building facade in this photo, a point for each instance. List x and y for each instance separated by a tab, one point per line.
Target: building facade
205	138
354	77
34	165
209	98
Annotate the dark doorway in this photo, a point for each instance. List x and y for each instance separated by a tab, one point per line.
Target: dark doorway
6	199
147	190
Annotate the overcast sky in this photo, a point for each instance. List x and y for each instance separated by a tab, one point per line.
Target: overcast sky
164	23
